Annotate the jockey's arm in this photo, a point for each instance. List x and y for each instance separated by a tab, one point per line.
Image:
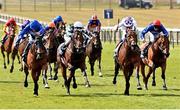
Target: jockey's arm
165	32
146	30
4	29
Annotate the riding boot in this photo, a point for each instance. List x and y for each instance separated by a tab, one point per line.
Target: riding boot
26	50
117	49
144	51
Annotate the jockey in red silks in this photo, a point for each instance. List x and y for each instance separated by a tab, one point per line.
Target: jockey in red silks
126	24
154	28
11	23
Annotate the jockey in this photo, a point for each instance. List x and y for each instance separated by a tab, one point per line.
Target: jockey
11	23
25	23
34	28
154	28
76	26
58	21
94	24
50	27
126	24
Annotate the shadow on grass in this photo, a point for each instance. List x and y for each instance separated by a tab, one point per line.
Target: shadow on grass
11	82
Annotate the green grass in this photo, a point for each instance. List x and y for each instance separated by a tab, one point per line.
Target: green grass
102	94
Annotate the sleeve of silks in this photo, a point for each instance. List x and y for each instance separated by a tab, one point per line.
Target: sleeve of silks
42	32
165	32
4	29
16	28
144	31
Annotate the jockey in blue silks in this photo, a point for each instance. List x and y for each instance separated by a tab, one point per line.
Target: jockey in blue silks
154	28
34	28
58	21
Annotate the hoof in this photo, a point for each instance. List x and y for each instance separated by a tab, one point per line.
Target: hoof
5	67
11	70
74	86
114	82
92	74
35	95
87	85
126	93
55	78
100	75
21	69
139	88
25	84
164	88
50	78
46	86
153	84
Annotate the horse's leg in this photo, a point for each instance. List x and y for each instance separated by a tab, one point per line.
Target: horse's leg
50	71
148	75
63	70
153	78
74	83
116	68
2	51
35	76
92	66
18	57
8	58
143	74
26	76
72	72
127	74
83	70
13	58
55	71
163	69
44	71
100	73
21	69
137	77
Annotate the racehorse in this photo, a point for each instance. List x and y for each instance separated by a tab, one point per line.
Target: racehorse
128	58
158	52
8	45
18	52
93	51
53	39
36	64
74	58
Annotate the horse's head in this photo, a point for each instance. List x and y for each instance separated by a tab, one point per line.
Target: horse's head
163	44
78	41
96	39
39	48
131	38
49	40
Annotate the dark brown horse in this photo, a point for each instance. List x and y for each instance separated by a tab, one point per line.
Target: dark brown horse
18	52
36	64
53	39
7	47
93	51
128	58
73	59
157	55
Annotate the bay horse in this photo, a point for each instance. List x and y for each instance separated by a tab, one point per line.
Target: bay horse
128	58
157	55
53	38
18	52
7	47
74	58
36	65
93	51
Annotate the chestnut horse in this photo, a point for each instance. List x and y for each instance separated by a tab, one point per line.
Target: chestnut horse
157	55
18	52
53	39
36	64
128	58
93	51
7	47
74	58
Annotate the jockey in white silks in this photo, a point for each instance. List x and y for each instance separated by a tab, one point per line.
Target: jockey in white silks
127	23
